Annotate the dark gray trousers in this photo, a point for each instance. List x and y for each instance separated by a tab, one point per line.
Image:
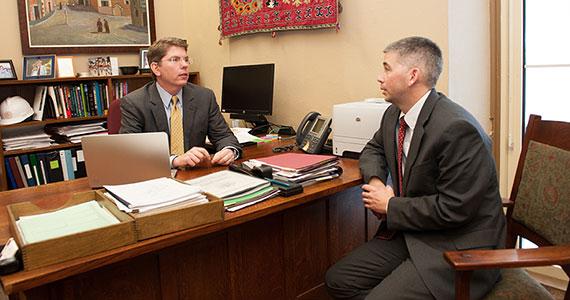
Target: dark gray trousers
379	269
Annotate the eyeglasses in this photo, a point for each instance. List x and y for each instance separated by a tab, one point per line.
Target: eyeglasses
178	59
284	148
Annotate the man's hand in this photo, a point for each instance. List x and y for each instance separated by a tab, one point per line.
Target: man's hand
376	197
191	158
224	157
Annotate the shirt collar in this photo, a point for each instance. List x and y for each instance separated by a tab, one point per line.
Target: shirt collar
412	116
165	96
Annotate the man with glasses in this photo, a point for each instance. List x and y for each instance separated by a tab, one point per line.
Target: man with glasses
186	112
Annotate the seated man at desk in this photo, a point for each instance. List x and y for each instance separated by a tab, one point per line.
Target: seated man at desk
186	112
445	196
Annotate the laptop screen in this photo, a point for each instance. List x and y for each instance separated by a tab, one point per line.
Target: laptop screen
126	158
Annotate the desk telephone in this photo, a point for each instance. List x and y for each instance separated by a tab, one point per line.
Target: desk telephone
313	132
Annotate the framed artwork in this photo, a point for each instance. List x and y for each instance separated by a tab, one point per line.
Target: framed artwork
7	70
65	66
84	26
144	60
39	67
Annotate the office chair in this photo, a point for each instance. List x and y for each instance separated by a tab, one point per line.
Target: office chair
114	117
538	210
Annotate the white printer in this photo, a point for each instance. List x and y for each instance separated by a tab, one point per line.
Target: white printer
355	123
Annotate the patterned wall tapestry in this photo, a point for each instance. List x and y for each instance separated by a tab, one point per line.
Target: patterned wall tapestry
239	17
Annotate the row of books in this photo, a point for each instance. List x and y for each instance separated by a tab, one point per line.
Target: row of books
71	101
34	169
120	89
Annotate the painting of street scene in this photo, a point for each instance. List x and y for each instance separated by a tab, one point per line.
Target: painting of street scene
57	23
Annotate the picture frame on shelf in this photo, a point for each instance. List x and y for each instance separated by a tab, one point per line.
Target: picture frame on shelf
39	67
7	71
144	65
70	27
65	66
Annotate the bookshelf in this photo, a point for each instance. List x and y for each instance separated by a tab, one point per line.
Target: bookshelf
27	90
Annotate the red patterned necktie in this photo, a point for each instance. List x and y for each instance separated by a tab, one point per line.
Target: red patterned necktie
401	136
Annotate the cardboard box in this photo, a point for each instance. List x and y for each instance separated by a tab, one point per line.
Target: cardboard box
177	217
39	254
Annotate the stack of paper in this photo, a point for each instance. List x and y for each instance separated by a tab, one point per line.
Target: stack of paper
305	169
236	189
77	218
26	138
155	193
74	133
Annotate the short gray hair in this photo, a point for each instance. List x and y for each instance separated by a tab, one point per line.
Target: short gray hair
420	52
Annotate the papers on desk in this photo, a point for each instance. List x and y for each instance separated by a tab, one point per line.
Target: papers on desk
305	169
155	193
236	189
243	136
77	218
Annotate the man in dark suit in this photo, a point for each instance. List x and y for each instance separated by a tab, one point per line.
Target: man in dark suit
445	192
185	111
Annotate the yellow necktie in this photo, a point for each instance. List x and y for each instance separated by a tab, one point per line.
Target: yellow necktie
176	131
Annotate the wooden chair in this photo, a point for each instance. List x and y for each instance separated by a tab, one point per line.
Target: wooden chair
114	117
539	210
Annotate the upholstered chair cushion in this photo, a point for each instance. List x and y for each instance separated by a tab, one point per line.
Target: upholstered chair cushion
517	284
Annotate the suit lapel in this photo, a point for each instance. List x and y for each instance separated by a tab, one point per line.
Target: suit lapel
189	113
157	108
418	134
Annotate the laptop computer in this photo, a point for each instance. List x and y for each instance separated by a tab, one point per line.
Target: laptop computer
126	158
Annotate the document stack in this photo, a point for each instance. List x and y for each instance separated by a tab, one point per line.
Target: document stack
26	138
153	194
235	189
305	169
74	133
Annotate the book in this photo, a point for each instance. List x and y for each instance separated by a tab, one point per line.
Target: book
39	102
28	170
21	170
10	176
53	166
15	172
295	162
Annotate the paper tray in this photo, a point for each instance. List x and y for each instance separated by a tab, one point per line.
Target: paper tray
36	255
177	217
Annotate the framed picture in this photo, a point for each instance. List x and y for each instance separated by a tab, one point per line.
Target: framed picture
39	67
65	66
81	26
144	60
7	70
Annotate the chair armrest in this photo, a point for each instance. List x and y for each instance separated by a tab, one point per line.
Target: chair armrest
507	202
508	258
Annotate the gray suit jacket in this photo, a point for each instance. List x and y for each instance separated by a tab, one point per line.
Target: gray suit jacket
143	111
452	199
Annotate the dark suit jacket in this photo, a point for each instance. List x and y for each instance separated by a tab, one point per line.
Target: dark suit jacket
143	111
451	191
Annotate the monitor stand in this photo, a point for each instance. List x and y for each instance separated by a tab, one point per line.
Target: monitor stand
260	123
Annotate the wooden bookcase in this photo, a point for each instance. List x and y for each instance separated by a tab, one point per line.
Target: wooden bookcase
26	89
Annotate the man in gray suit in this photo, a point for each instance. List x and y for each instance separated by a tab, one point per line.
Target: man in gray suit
156	106
445	194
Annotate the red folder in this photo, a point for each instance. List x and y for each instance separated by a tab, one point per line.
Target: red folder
296	162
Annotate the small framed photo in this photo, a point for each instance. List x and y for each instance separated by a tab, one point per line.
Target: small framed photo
39	67
7	70
144	59
65	66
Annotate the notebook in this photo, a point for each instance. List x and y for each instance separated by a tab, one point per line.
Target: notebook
126	158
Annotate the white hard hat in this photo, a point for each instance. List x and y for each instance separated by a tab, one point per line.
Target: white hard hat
14	110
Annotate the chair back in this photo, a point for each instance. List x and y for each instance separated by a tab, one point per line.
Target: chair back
541	188
114	117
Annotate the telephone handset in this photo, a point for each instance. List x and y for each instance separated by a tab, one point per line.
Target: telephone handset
313	132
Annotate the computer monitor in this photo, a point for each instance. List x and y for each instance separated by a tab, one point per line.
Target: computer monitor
247	92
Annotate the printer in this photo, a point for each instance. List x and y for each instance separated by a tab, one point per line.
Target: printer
354	124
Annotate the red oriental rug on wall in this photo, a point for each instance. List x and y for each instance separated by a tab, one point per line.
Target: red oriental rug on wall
239	17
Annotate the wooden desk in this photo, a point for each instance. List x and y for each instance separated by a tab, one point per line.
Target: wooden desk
277	249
